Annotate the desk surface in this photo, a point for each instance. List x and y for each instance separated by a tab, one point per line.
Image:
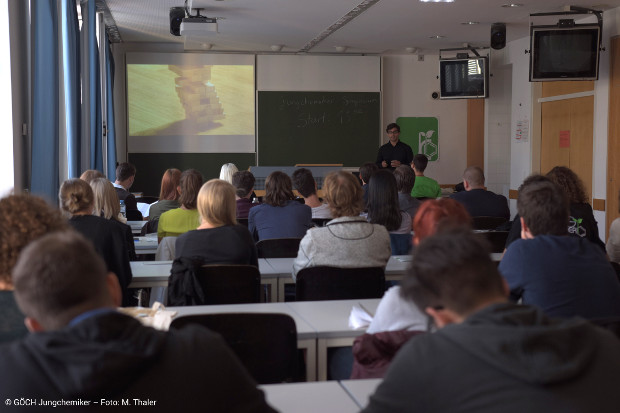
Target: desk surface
331	318
324	397
360	390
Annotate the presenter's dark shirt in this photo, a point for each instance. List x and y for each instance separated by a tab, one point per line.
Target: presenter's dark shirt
399	152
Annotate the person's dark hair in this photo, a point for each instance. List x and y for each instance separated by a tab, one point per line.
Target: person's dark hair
452	269
383	200
405	179
570	183
343	194
125	171
75	195
243	181
58	277
392	126
169	184
24	218
367	170
278	189
474	176
532	179
191	181
544	208
303	181
420	161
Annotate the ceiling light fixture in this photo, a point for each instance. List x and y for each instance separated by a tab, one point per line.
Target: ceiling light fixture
341	49
437	37
512	5
437	1
276	47
470	23
411	49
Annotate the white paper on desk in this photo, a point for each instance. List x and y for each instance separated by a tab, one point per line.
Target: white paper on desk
359	317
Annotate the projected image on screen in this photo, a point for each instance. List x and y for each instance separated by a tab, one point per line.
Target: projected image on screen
190	99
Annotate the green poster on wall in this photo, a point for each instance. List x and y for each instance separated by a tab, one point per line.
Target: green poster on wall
422	134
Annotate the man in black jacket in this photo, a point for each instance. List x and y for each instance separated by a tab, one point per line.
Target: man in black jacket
490	355
83	355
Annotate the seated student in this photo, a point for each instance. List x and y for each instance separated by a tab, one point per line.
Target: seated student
424	186
279	216
478	201
564	276
77	199
348	240
243	181
23	218
168	194
125	175
383	209
106	205
218	239
227	172
305	184
405	179
613	242
83	349
581	222
366	171
178	221
397	319
90	175
490	355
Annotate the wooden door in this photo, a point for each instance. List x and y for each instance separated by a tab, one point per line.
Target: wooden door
567	127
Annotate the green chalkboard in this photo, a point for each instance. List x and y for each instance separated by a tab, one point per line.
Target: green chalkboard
318	127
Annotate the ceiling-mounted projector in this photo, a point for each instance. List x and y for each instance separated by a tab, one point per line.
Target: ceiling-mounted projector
198	25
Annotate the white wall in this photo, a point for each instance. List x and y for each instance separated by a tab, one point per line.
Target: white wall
407	88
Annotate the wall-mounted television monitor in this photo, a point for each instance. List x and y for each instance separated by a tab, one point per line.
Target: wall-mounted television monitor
564	53
464	78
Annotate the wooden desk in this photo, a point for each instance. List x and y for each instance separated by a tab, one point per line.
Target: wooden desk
324	397
360	390
306	334
330	319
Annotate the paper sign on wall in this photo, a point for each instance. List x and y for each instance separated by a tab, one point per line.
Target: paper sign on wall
564	139
522	133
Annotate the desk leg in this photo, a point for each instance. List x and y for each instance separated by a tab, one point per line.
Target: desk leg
281	290
272	287
309	345
322	345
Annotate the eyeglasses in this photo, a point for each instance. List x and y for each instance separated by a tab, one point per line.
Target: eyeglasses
393	132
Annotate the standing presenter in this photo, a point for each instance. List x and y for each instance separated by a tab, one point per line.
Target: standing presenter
394	153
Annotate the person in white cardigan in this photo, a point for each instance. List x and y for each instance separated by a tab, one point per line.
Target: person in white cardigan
348	240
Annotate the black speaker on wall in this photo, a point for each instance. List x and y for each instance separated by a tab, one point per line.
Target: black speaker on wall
498	36
177	14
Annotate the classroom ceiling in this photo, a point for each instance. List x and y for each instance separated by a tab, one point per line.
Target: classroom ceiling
319	26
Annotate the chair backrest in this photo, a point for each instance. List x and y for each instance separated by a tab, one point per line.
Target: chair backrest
229	284
133	215
150	227
320	222
242	221
487	222
166	249
278	247
400	244
497	239
266	343
609	323
333	283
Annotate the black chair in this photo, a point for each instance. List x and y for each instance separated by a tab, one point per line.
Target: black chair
497	239
333	283
266	343
400	244
609	323
278	247
242	221
133	215
489	223
150	227
229	284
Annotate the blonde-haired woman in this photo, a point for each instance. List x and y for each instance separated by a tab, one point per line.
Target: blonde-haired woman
77	199
218	239
107	205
